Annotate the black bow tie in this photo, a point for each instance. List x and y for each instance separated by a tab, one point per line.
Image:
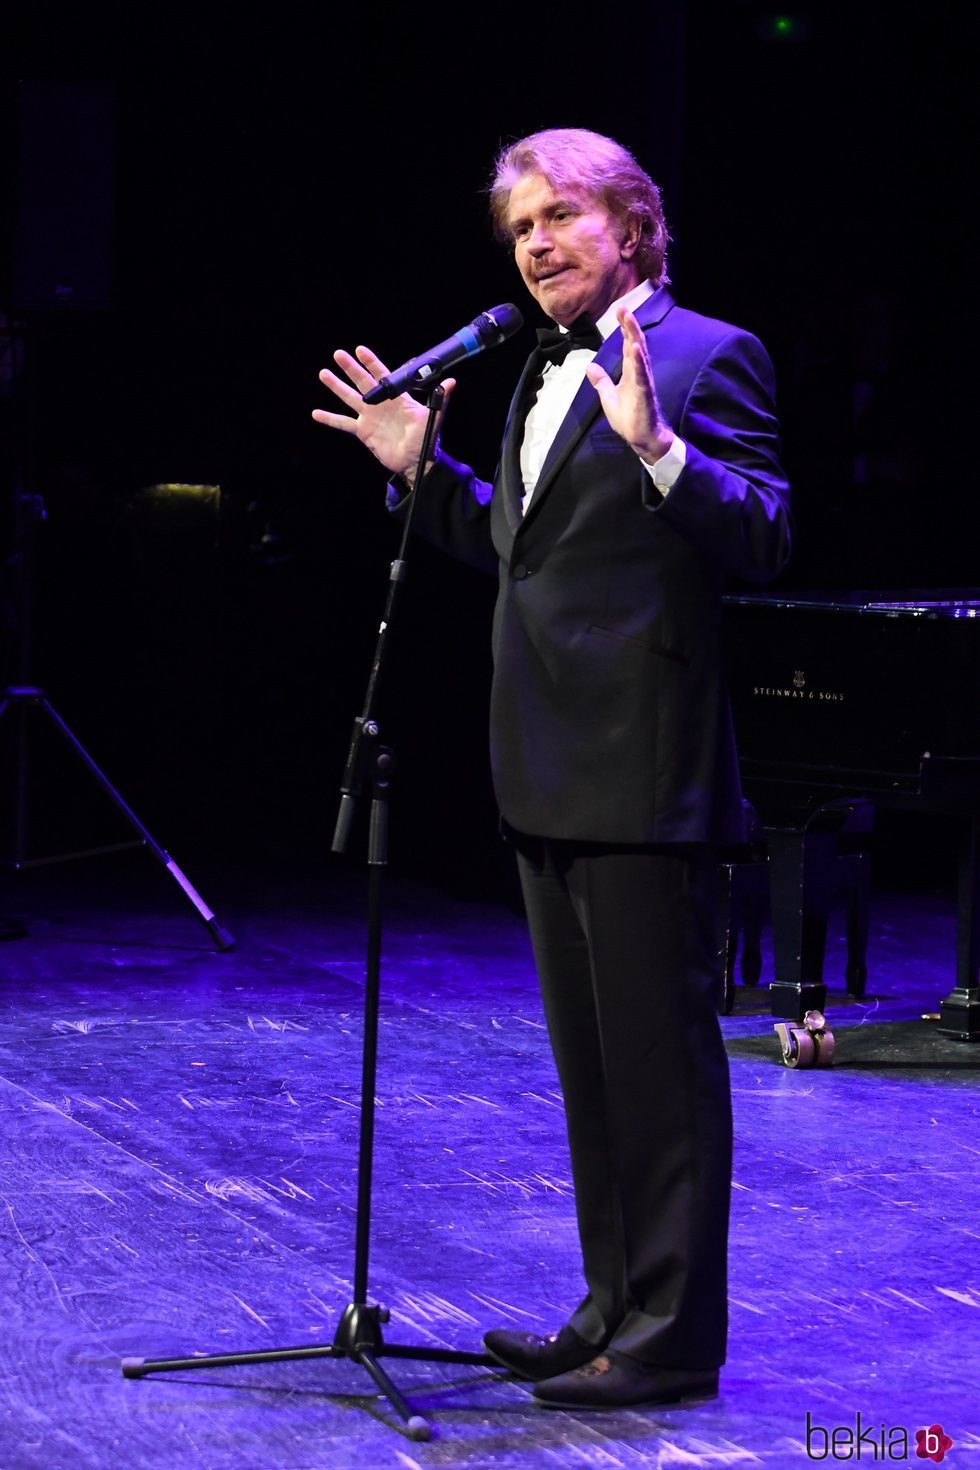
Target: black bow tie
556	343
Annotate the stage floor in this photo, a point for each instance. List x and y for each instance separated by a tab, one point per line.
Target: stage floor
179	1135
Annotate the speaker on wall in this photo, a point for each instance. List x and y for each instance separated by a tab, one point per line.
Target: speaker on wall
63	192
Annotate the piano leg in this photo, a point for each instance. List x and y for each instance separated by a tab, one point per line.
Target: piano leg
728	932
798	877
743	905
754	908
808	867
855	865
959	1013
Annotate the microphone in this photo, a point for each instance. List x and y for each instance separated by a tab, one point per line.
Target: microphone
488	330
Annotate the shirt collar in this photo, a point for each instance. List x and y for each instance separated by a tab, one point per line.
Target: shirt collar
607	323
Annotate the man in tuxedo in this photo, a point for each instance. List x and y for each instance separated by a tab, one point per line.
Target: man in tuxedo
639	470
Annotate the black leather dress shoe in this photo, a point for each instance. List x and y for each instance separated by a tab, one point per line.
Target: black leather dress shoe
538	1357
613	1381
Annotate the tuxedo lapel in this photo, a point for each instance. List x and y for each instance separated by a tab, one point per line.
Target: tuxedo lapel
585	407
510	484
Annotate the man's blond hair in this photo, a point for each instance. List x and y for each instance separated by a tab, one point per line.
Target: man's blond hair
606	170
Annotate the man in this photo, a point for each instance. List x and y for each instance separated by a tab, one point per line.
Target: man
637	472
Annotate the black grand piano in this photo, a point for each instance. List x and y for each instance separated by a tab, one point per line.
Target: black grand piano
844	702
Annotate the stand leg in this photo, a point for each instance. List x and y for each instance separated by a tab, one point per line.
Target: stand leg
367	1355
358	1337
418	1428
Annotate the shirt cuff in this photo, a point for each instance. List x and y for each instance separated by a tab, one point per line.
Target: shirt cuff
397	489
664	471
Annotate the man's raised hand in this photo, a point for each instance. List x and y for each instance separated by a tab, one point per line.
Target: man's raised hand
631	405
393	430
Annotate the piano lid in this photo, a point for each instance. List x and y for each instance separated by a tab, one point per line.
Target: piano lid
930	602
854	690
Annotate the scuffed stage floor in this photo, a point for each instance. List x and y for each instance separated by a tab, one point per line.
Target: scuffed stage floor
179	1130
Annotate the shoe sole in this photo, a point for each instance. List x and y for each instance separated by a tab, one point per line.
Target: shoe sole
689	1396
524	1376
527	1377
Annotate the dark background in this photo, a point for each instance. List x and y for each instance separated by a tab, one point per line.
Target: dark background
262	189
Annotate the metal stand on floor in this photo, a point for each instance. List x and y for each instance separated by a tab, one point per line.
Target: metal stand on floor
369	764
20	699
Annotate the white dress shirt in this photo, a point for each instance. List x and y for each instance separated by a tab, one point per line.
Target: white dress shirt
559	386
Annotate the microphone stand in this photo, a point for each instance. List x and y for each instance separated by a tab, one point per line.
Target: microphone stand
370	765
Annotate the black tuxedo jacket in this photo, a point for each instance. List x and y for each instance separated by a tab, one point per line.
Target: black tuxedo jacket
609	711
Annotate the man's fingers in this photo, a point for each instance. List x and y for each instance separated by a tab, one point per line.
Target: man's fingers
633	336
364	369
340	389
359	375
340	421
363	372
629	325
372	362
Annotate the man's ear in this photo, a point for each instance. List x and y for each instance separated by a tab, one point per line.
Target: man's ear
632	231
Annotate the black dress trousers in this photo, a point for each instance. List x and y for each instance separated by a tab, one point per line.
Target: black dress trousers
625	941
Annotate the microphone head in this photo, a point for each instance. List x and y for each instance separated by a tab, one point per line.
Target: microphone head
499	323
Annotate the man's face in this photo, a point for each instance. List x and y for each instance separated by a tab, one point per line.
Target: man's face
573	254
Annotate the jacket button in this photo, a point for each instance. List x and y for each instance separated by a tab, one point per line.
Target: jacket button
519	572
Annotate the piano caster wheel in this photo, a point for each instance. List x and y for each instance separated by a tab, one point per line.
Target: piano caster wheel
809	1045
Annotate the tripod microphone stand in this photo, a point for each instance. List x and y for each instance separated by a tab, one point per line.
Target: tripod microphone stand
370	764
20	699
